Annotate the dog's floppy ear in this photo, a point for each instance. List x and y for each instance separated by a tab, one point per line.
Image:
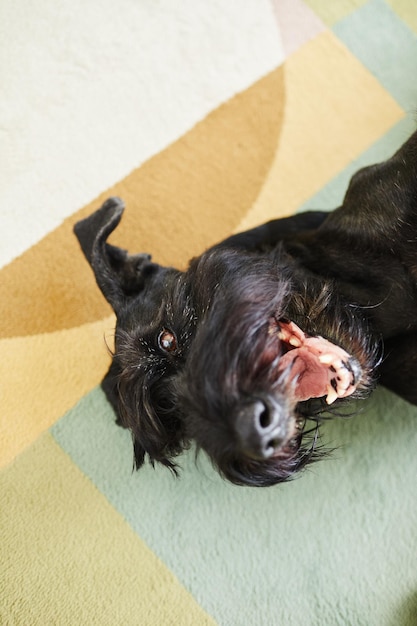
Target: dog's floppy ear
118	274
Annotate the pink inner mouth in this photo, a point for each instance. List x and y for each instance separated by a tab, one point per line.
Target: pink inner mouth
317	366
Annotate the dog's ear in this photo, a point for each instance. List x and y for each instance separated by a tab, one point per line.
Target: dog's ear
118	274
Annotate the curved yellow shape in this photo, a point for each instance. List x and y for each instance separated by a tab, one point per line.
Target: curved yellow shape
43	376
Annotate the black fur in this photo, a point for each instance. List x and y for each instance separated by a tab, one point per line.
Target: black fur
197	352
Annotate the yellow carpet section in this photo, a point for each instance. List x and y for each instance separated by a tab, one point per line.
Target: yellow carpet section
50	366
52	512
335	134
407	11
331	12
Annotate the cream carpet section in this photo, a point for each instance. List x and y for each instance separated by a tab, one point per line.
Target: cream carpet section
89	90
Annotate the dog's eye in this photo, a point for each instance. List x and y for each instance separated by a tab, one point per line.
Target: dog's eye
167	341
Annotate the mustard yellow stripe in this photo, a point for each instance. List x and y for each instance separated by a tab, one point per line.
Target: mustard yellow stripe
71	559
190	195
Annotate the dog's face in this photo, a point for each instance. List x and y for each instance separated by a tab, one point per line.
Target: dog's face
229	354
254	384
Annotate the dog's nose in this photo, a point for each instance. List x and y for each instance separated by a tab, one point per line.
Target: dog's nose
261	428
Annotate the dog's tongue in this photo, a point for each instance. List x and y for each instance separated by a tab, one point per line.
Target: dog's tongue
318	367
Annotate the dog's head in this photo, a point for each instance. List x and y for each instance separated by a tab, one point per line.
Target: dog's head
216	354
254	386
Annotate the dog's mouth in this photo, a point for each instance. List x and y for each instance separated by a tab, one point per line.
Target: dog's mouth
314	366
279	428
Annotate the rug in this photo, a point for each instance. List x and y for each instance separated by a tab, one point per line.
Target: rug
206	118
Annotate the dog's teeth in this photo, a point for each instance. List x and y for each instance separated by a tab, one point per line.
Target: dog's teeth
331	395
326	359
282	335
296	343
299	423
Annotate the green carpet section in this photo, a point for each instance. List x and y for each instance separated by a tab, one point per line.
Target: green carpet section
338	545
384	44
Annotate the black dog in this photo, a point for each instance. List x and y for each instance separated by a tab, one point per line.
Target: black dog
265	329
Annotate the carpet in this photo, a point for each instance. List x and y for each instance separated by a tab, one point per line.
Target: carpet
206	118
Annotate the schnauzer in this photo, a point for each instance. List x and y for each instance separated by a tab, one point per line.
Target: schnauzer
265	330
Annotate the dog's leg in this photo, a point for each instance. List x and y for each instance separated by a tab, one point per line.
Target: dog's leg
269	234
398	371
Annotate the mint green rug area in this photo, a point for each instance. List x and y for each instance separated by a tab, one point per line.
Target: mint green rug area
335	546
